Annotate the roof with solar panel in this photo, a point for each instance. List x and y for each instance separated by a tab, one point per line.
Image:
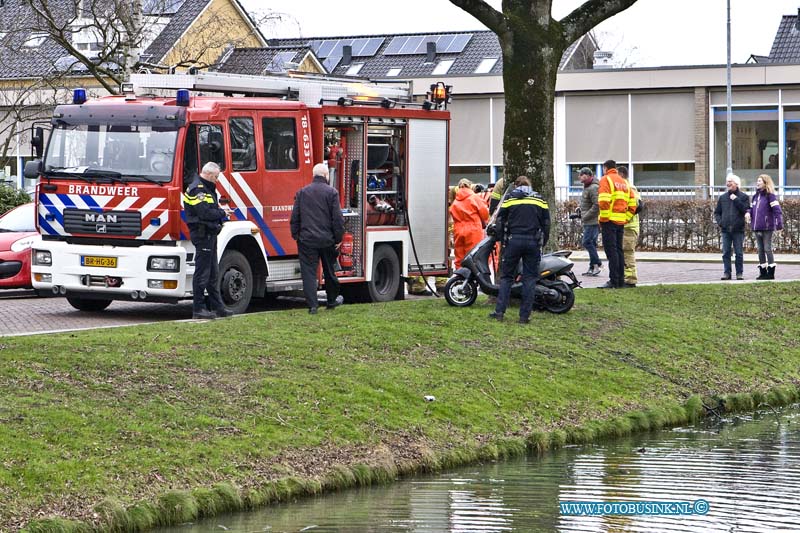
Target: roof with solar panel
402	56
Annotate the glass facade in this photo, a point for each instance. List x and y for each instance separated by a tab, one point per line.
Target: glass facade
663	174
754	141
475	174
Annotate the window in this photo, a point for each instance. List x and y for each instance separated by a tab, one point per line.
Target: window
754	137
475	174
663	174
212	146
443	67
280	143
394	71
243	144
574	173
486	65
354	69
35	40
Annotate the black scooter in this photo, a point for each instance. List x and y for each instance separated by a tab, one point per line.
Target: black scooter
551	293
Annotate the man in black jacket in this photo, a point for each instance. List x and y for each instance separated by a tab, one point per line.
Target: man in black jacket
318	226
523	220
205	218
729	216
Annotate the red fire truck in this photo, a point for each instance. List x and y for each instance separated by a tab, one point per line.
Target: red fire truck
109	199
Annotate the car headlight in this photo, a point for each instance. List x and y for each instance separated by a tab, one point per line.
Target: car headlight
42	258
163	264
24	243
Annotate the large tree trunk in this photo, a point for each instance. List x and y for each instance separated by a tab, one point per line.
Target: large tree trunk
529	79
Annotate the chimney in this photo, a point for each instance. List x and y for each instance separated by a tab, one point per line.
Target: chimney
602	59
797	22
431	51
347	55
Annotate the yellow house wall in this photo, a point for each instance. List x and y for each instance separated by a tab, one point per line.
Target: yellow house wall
205	30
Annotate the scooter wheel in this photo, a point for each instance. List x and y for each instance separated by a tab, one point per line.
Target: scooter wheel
460	292
564	301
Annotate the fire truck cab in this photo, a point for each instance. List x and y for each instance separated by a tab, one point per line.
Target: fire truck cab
112	176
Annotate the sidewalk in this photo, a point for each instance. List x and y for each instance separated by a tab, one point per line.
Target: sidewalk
689	257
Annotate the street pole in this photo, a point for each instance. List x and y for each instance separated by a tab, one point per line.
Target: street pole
729	169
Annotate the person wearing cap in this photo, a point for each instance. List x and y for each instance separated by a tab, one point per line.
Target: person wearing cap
589	211
729	215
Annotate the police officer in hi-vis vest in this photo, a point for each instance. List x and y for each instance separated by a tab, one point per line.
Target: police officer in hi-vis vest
205	218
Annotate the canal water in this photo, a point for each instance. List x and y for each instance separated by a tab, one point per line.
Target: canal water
747	469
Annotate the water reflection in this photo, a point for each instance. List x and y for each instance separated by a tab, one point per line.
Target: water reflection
746	468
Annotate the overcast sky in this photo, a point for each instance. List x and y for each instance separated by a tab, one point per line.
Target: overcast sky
651	33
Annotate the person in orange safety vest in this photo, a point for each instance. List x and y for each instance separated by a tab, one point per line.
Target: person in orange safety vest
617	207
470	214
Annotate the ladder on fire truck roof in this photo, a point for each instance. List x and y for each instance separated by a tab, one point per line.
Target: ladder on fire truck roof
308	89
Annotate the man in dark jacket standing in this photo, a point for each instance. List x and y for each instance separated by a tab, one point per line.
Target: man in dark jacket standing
588	212
523	221
204	218
318	226
729	216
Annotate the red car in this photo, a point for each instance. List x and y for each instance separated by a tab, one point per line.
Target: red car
17	235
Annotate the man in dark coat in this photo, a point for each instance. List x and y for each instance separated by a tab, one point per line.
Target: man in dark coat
204	218
729	216
317	225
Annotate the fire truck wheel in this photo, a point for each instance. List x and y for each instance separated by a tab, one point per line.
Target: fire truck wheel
236	281
385	275
85	304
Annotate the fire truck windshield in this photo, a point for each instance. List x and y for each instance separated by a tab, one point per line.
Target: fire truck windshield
132	152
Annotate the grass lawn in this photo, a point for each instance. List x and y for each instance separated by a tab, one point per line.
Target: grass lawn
93	422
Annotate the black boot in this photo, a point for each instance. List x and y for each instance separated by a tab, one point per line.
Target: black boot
762	272
771	272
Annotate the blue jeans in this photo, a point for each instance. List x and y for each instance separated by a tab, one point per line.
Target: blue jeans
525	247
735	238
589	242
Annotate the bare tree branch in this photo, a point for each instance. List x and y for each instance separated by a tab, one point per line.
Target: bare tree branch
590	14
486	14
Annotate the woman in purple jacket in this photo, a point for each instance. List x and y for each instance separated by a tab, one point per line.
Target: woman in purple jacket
765	217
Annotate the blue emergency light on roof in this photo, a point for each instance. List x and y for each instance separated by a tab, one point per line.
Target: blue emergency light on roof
79	96
182	98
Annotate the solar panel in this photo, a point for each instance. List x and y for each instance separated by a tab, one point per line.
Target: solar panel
338	46
358	46
279	60
331	63
411	45
443	42
371	47
315	46
395	46
458	44
326	47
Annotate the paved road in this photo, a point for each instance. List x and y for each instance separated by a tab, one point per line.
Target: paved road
21	312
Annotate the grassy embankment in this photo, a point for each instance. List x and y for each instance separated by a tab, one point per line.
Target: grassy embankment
129	428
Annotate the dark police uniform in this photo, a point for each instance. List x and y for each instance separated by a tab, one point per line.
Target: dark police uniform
317	225
524	221
204	218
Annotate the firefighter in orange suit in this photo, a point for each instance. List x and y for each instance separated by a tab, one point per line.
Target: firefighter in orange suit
617	207
470	214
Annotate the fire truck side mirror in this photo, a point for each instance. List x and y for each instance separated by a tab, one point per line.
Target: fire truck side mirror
215	141
37	141
33	169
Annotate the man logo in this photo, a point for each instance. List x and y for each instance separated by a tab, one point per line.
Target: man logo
100	217
100	228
